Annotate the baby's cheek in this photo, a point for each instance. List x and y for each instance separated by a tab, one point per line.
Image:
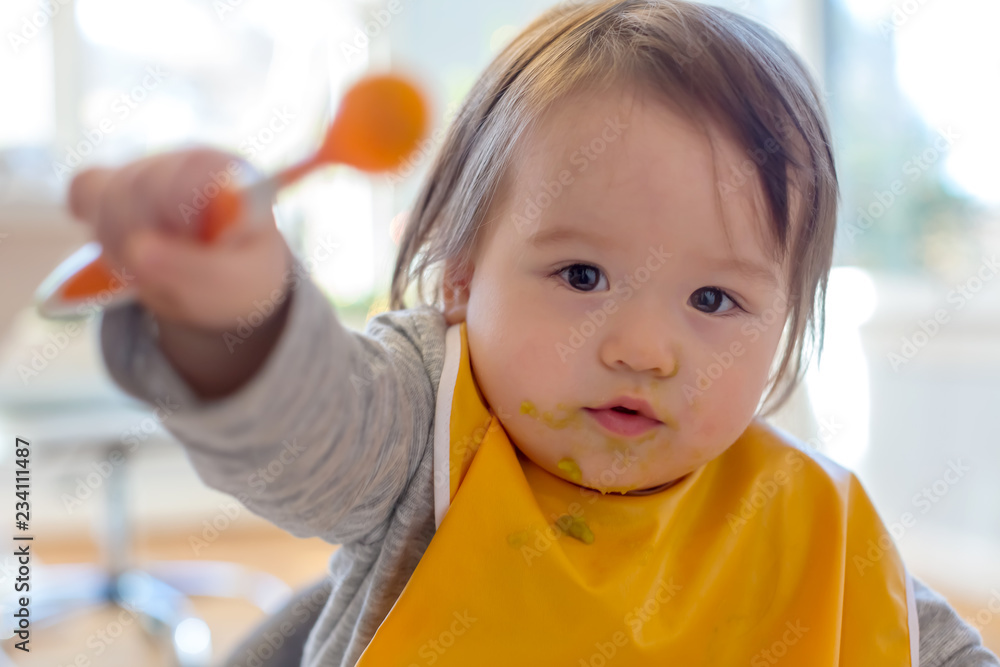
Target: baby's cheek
535	365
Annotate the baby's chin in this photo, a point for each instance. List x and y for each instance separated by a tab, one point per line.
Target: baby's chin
638	487
651	462
626	473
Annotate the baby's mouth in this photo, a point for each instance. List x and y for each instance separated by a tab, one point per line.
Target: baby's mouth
623	421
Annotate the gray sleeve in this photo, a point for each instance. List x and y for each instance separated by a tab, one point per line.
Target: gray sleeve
324	438
945	639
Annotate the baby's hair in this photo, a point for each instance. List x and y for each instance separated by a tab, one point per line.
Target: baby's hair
711	64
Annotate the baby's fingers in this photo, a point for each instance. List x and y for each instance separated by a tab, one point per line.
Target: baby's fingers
211	286
85	191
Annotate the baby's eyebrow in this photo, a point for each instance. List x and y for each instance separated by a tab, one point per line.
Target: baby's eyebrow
745	267
554	235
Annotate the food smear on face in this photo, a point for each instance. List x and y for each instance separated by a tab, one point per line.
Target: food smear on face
569	419
605	490
550	419
622	449
576	528
571	469
613	444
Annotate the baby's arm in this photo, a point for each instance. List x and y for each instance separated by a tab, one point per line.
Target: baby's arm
946	640
313	426
323	439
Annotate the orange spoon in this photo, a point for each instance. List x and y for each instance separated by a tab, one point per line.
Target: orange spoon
380	121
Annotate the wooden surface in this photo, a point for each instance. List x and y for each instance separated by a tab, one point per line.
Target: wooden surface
976	611
86	636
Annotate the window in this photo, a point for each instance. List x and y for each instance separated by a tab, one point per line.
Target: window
110	81
915	122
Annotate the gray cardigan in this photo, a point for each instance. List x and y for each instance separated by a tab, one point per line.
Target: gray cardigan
332	438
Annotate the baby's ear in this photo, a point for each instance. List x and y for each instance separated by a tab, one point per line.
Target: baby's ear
457	280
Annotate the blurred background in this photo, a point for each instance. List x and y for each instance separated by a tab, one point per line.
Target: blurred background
910	371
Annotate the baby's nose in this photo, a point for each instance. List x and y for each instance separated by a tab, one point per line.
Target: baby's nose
642	353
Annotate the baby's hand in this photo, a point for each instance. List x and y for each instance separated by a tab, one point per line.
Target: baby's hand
146	216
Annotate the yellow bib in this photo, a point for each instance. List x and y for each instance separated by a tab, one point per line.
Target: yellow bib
766	554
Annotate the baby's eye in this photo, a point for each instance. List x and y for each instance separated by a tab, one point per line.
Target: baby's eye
583	276
710	299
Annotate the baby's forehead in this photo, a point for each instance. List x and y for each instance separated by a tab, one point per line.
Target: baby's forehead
636	156
631	139
609	132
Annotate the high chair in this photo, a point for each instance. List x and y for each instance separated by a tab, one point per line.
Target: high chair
72	411
278	640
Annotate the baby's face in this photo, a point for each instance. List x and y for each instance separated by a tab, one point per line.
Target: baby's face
606	277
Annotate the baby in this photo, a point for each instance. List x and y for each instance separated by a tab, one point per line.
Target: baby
558	456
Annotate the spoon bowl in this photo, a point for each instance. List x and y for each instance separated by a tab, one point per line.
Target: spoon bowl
379	123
